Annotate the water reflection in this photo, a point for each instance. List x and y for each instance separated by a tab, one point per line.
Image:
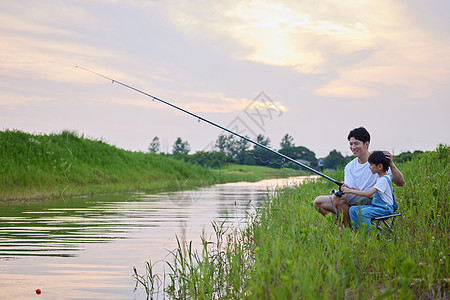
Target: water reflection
86	247
55	228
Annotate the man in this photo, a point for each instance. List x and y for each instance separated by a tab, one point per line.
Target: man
357	175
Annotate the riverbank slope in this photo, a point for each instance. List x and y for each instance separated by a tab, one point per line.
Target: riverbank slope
66	164
290	251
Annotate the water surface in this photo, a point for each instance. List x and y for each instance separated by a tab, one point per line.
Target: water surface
85	248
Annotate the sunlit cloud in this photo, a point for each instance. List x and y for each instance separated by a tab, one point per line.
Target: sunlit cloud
340	88
200	103
273	33
408	59
220	104
265	105
283	36
312	37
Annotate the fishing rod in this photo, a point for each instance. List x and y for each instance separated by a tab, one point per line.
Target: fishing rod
216	125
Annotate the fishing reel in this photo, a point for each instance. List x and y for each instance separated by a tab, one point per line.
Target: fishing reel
337	192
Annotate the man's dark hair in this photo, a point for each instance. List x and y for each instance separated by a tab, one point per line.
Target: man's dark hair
378	157
360	134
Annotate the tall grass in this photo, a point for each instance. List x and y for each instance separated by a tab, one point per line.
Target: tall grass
288	250
66	164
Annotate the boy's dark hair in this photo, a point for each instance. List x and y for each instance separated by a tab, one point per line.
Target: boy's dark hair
359	133
378	157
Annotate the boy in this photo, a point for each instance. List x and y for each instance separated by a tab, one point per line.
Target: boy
383	197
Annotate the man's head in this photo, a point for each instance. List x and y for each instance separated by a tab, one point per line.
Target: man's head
360	134
359	139
378	159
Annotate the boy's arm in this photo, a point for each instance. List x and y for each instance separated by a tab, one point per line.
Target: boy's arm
367	194
397	176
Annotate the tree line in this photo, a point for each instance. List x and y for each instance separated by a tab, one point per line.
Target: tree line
232	149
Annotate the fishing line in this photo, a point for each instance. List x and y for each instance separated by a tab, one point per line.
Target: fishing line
265	161
214	124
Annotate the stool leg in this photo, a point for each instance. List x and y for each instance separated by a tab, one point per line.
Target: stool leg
379	228
389	231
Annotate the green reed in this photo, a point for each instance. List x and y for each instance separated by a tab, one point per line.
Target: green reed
288	250
151	282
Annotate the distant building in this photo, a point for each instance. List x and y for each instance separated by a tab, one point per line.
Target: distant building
305	162
320	164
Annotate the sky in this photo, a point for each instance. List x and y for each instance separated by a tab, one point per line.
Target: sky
310	69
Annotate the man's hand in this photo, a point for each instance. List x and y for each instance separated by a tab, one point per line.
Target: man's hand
389	157
397	176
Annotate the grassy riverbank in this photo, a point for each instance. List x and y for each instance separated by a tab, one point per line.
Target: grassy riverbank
290	251
66	164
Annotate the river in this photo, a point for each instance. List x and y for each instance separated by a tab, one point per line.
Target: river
86	248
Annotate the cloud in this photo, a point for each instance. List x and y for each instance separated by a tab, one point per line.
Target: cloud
47	41
196	103
313	37
8	99
27	57
404	56
272	32
347	89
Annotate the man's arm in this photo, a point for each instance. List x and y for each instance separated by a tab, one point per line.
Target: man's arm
397	176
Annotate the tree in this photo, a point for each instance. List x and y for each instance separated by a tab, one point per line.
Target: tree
231	145
154	145
181	147
334	160
407	156
241	149
222	142
287	141
236	146
300	153
208	159
262	140
263	157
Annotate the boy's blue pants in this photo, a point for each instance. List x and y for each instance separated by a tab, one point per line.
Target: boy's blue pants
368	212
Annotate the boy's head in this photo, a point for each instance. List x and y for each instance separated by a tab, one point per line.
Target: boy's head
360	134
377	158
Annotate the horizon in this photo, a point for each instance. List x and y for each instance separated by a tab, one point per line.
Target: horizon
100	139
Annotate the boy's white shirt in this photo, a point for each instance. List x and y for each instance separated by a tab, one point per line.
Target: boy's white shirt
384	190
359	175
